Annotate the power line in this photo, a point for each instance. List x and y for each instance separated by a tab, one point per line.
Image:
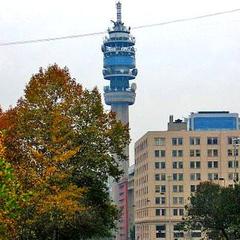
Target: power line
188	19
51	39
104	32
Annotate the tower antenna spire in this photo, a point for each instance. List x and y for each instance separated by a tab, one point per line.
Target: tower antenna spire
119	12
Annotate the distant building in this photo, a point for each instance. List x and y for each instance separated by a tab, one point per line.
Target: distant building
213	121
169	165
176	125
131	207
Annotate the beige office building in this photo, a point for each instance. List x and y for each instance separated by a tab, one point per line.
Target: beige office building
169	165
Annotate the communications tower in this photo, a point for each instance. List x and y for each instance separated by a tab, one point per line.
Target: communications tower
119	69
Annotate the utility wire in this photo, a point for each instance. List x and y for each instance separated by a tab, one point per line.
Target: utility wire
104	32
188	19
51	39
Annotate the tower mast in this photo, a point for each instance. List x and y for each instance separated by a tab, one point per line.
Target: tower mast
119	12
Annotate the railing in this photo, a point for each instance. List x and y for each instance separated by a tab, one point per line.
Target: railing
108	89
130	39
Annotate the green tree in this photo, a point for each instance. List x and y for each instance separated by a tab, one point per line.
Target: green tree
12	199
62	144
216	210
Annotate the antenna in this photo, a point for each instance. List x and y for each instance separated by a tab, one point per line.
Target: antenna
119	12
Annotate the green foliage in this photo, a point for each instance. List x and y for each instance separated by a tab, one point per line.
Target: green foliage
216	210
11	201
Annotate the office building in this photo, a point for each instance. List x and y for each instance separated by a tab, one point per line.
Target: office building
169	166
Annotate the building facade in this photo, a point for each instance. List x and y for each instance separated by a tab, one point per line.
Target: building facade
119	69
169	166
131	220
213	120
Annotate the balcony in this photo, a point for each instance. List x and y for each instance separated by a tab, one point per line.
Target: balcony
119	96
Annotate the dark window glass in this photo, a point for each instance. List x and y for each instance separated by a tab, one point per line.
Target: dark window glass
157	154
160	231
174	141
180	153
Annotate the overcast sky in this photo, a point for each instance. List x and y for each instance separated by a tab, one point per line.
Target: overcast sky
183	67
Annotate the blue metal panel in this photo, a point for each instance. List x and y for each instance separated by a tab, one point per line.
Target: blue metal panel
215	123
119	61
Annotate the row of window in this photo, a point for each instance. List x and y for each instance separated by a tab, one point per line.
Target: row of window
193	176
175	200
177	232
161	141
175	212
180	188
194	153
195	164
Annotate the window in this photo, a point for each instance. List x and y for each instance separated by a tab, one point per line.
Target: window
159	141
160	231
212	176
177	188
178	212
231	152
212	164
160	188
178	200
212	152
177	177
177	165
193	188
195	176
177	141
233	164
181	211
160	212
159	153
160	165
177	153
196	233
233	176
177	232
194	140
160	177
231	141
212	140
160	200
195	153
195	164
175	212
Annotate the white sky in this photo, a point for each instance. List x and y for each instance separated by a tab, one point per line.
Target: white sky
183	67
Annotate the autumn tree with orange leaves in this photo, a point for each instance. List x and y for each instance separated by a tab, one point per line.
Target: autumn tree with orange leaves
61	144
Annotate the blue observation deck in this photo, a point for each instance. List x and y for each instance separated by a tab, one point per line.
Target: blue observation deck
119	65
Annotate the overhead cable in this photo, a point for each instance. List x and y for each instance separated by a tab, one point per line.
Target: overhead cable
104	32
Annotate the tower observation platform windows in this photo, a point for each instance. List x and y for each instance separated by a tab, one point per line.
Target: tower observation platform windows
116	60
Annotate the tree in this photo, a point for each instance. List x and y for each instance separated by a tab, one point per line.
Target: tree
12	199
216	210
62	145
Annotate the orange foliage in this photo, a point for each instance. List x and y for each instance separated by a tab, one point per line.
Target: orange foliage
1	146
